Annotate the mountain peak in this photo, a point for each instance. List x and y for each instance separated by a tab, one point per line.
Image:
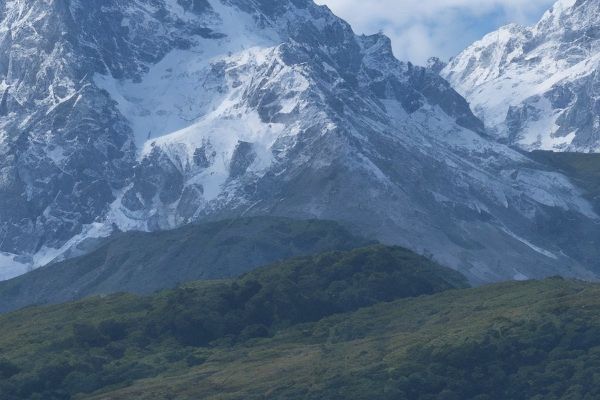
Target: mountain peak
572	15
537	87
159	113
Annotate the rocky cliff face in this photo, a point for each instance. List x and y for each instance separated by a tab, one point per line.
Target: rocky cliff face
538	87
151	114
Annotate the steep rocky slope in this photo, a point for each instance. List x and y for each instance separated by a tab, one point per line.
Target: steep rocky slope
143	263
150	114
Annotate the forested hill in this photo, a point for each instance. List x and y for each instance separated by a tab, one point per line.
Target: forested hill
61	351
376	322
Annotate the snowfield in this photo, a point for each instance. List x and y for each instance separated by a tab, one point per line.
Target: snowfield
538	87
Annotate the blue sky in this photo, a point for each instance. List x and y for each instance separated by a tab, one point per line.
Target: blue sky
423	28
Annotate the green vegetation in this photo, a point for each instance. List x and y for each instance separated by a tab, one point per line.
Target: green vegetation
143	263
518	341
373	323
62	351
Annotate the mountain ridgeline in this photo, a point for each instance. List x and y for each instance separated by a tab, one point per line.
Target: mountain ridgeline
149	115
244	200
537	87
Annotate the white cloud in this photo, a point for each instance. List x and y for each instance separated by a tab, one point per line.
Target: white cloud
423	28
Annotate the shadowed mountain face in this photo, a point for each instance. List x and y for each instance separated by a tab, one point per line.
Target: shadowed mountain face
142	263
151	114
538	87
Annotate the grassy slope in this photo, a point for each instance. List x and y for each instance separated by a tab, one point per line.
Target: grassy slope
361	355
528	340
62	350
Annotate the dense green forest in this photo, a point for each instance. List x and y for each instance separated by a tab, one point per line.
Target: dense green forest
57	352
373	323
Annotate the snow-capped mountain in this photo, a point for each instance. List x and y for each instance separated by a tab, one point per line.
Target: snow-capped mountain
150	114
538	87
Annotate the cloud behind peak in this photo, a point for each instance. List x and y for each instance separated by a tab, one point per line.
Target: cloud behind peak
424	28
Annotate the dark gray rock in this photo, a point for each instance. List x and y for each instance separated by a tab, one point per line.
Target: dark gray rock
435	65
243	157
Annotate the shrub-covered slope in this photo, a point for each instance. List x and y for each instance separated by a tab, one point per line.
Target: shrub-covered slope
293	331
145	262
518	341
59	352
